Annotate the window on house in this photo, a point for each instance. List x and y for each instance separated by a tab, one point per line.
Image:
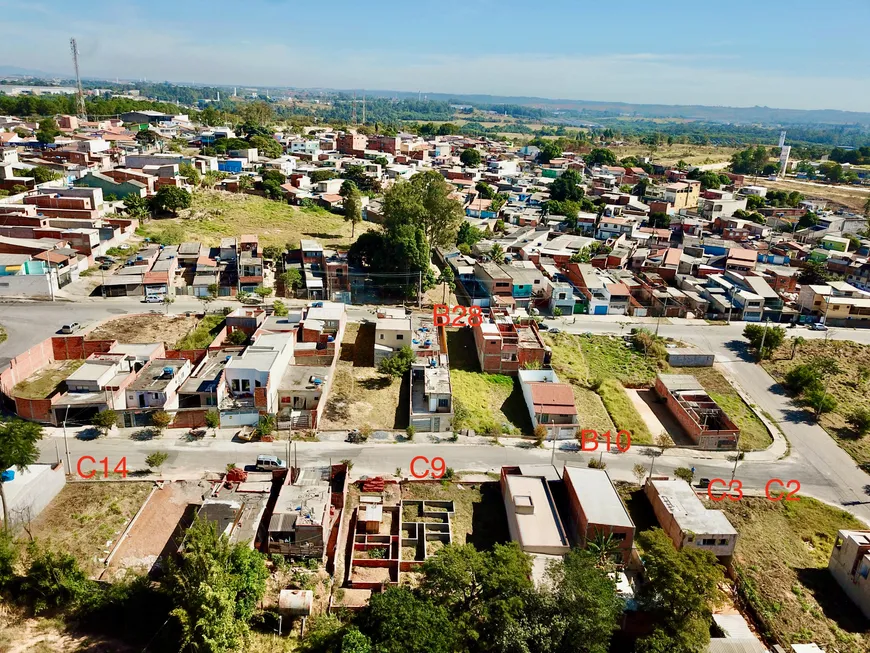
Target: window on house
382	336
443	403
400	336
708	542
619	537
246	385
235	385
723	541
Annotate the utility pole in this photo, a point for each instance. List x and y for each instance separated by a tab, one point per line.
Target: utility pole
420	289
553	451
664	310
763	336
66	443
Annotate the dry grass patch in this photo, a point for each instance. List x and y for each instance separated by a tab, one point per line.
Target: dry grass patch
85	519
781	559
360	395
484	401
846	387
43	383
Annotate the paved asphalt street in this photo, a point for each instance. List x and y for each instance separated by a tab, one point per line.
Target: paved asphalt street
822	468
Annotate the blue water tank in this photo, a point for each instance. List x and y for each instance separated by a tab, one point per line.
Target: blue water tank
7	476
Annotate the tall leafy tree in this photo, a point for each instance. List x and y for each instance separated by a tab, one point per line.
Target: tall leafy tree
470	157
567	187
424	203
600	156
681	588
171	198
400	621
352	205
215	587
18	450
47	131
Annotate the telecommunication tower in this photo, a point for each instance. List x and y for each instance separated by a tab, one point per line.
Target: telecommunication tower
80	95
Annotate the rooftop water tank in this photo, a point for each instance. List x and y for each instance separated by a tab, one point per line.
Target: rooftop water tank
169	371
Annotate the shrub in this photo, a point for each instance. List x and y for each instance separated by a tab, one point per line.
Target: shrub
595	463
156	459
860	420
411	431
160	420
803	378
540	435
684	473
398	364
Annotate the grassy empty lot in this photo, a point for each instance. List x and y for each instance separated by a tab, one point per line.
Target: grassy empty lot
201	337
623	412
849	196
44	382
671	154
603	361
753	434
215	214
85	516
479	516
360	395
481	400
781	557
845	387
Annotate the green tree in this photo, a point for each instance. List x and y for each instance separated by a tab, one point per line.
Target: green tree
424	203
567	187
213	421
468	234
262	292
291	278
47	131
832	170
170	198
398	364
267	146
803	378
859	419
772	337
813	273
41	174
600	156
577	610
189	173
658	219
709	179
549	150
496	253
160	420
680	590
237	337
481	590
156	459
17	449
215	587
136	206
639	471
398	621
352	205
355	642
105	420
470	157
280	308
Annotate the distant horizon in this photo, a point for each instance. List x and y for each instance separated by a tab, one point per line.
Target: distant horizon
375	92
751	55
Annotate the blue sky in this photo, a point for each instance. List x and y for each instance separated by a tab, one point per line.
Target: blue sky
782	53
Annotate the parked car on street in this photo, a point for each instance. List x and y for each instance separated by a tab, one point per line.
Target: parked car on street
819	326
269	463
72	327
153	299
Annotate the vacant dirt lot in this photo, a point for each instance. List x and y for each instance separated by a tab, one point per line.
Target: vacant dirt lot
143	329
44	382
153	531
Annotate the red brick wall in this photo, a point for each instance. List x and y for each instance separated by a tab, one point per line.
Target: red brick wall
189	419
585	530
76	347
195	356
38	410
25	364
260	398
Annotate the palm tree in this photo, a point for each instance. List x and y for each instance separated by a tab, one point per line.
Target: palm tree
605	547
496	253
